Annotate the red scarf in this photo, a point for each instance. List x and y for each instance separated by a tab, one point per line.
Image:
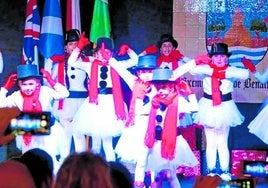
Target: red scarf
215	83
117	89
169	133
31	104
168	59
60	59
61	66
139	90
61	80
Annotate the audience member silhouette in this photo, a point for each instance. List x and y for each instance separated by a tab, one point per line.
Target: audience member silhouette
40	165
15	174
120	175
84	169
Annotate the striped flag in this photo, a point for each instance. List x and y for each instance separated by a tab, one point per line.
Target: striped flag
31	33
1	62
100	25
51	38
73	20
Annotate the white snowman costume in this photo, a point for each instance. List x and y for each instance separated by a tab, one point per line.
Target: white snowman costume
131	147
54	143
100	120
75	80
217	119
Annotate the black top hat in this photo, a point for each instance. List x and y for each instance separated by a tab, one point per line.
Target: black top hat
219	48
27	71
108	43
72	35
167	38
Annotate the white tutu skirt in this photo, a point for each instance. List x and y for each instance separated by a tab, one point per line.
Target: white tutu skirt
54	144
184	156
129	145
98	119
225	114
258	125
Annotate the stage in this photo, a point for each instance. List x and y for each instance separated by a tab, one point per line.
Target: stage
189	182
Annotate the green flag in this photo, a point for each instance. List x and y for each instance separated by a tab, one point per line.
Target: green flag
100	25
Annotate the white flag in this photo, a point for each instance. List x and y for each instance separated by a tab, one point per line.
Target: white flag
73	20
1	62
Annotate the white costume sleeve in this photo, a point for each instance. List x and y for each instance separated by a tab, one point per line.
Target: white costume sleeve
78	63
60	91
181	70
184	60
237	73
46	95
231	71
132	61
123	72
7	101
202	70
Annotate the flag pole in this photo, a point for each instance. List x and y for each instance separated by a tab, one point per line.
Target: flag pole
1	62
36	58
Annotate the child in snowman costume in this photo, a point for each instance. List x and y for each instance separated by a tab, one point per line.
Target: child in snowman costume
217	110
168	149
103	113
76	81
130	147
35	97
258	125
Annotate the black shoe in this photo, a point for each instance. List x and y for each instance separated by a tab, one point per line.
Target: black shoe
212	172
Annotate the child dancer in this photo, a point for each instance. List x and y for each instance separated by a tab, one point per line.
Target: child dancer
75	81
217	110
169	149
102	114
33	97
130	147
258	125
169	57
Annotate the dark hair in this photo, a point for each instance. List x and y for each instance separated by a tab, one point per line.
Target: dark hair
167	38
40	165
120	175
84	169
72	35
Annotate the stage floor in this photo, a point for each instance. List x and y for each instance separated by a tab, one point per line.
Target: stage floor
188	182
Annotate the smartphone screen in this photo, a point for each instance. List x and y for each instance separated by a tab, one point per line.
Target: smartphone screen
32	123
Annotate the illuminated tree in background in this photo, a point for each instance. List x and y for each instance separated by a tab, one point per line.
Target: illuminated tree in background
258	26
216	26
